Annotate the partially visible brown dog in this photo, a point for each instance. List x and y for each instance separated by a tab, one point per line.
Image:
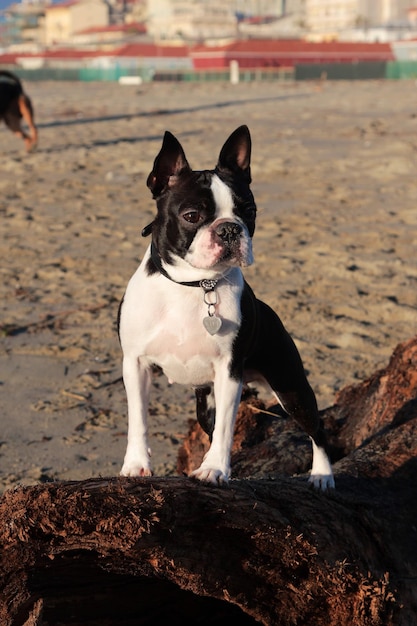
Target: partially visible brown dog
15	105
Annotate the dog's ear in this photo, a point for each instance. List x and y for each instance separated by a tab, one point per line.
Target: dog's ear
236	152
169	163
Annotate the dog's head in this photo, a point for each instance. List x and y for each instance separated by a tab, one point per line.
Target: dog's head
206	218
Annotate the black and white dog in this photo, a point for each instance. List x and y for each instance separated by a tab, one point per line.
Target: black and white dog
188	310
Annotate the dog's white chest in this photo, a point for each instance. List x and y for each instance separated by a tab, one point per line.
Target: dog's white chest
162	323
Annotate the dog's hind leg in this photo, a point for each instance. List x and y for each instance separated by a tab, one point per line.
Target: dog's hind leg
276	357
302	406
205	408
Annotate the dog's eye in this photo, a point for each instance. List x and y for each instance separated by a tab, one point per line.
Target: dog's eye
192	216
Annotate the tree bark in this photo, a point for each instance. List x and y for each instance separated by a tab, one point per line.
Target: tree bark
267	549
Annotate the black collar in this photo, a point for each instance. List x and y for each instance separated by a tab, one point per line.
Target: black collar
207	284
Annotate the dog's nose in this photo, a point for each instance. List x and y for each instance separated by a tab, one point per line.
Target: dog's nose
229	231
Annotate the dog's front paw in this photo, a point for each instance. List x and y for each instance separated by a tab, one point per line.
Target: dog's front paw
132	468
210	475
322	481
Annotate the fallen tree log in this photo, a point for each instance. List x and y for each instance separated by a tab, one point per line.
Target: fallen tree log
266	549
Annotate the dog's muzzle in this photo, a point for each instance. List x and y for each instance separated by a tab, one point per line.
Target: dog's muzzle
235	242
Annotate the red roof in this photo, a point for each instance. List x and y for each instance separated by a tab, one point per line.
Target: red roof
265	46
63	53
152	50
288	52
8	58
62	5
251	53
136	27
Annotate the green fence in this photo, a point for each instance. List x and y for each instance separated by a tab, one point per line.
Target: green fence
401	69
86	74
147	74
45	73
329	71
111	74
341	71
245	75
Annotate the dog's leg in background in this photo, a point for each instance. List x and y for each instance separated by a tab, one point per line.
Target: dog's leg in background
26	111
205	409
137	381
21	108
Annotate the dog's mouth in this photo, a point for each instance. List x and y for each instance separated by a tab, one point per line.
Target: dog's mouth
225	244
232	254
235	254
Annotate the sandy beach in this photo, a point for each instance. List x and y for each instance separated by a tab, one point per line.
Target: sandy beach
334	176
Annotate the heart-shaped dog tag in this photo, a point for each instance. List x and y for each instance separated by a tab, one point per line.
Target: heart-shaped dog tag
212	324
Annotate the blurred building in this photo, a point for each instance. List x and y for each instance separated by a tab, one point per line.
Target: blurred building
64	19
35	24
192	20
24	24
333	16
